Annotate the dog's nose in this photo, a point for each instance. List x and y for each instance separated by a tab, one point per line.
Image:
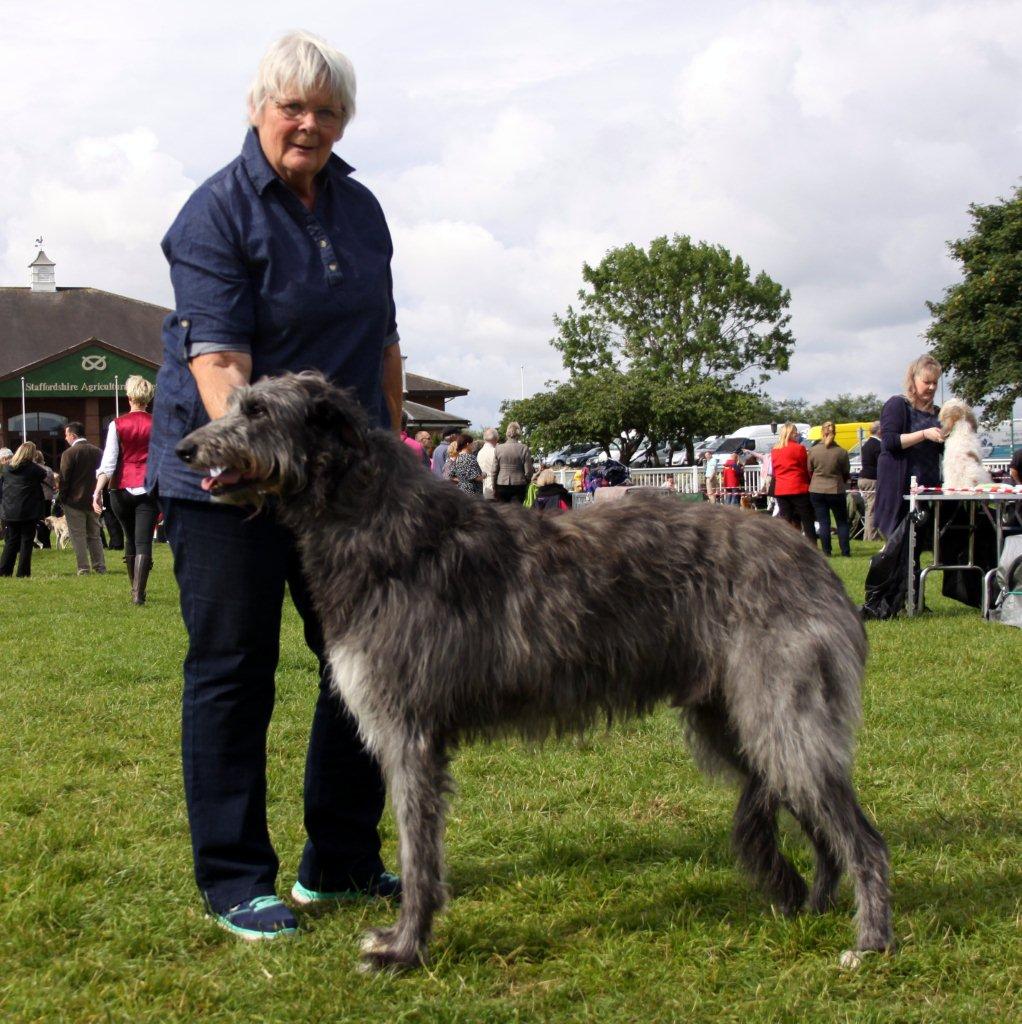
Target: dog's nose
185	450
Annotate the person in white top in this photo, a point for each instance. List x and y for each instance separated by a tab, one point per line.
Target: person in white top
485	459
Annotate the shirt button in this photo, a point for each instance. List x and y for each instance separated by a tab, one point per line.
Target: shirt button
322	243
333	266
185	323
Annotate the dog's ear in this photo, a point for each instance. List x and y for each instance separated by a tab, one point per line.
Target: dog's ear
335	411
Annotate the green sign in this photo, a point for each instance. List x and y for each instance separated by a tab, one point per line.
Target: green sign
89	372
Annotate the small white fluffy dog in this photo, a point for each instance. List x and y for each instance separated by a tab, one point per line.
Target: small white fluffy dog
963	459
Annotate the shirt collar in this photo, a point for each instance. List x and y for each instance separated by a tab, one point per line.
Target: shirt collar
262	175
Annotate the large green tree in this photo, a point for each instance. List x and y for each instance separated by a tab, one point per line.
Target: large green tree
977	326
688	310
666	344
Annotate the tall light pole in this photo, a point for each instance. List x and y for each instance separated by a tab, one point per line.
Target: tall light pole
523	380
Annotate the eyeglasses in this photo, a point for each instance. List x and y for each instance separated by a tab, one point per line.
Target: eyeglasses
326	117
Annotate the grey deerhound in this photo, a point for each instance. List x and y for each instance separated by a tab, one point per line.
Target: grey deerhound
731	618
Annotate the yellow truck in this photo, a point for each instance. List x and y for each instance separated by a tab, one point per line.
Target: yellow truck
848	435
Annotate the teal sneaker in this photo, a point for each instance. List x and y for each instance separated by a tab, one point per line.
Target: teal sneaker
263	917
384	886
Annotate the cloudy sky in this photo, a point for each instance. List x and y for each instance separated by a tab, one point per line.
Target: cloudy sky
836	146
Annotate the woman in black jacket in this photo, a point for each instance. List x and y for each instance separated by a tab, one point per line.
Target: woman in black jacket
21	507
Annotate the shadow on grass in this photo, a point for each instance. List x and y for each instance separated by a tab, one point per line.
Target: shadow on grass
636	898
708	847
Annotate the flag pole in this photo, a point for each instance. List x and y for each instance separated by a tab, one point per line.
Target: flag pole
24	417
117	397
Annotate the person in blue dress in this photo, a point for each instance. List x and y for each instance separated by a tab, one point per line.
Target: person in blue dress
281	261
911	442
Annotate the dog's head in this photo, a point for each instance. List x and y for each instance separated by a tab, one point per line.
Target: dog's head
273	435
955	411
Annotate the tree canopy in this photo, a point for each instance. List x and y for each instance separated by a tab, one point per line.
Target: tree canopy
977	327
666	344
842	408
683	309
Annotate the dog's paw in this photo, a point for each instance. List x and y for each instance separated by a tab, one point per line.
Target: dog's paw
381	950
853	959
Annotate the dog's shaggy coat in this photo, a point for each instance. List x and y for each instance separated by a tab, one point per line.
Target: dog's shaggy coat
963	457
732	618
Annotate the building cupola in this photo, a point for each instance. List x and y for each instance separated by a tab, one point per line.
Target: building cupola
43	276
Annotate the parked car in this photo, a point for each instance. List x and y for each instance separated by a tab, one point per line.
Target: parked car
765	434
705	445
584	457
727	445
561	457
644	457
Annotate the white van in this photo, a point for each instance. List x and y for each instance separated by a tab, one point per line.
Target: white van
765	434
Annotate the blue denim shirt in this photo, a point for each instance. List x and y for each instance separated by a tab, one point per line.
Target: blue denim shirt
255	271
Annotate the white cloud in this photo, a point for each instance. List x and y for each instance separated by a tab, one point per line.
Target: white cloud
835	146
101	211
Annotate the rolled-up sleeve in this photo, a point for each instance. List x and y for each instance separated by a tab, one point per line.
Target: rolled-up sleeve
213	293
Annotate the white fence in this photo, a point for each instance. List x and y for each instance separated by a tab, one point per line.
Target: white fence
690	480
686	479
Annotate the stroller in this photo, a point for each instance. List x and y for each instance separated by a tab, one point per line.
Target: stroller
607	474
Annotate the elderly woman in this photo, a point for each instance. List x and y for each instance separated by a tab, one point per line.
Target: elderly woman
486	454
465	471
123	467
911	443
512	467
280	261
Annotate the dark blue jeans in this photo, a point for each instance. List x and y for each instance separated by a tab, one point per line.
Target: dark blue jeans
231	569
823	506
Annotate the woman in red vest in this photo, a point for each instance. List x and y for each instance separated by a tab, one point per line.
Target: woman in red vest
790	471
123	467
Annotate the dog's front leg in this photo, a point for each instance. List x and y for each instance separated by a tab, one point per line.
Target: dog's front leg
416	770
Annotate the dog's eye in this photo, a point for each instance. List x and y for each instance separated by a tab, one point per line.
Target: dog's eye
255	410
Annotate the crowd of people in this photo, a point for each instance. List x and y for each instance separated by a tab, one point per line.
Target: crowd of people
35	500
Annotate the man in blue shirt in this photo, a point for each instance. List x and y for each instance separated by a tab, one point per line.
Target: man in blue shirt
280	262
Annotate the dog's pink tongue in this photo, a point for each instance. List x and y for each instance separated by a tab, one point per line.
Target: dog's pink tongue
223	478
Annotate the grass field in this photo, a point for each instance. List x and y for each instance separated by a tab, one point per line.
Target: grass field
591	880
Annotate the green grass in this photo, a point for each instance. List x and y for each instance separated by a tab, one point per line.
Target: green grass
591	880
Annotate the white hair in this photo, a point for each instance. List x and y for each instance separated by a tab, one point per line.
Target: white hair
303	63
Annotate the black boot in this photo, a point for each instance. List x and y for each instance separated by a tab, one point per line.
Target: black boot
142	567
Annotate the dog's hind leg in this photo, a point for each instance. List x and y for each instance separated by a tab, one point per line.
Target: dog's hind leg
796	731
829	867
416	769
714	744
754	838
835	813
